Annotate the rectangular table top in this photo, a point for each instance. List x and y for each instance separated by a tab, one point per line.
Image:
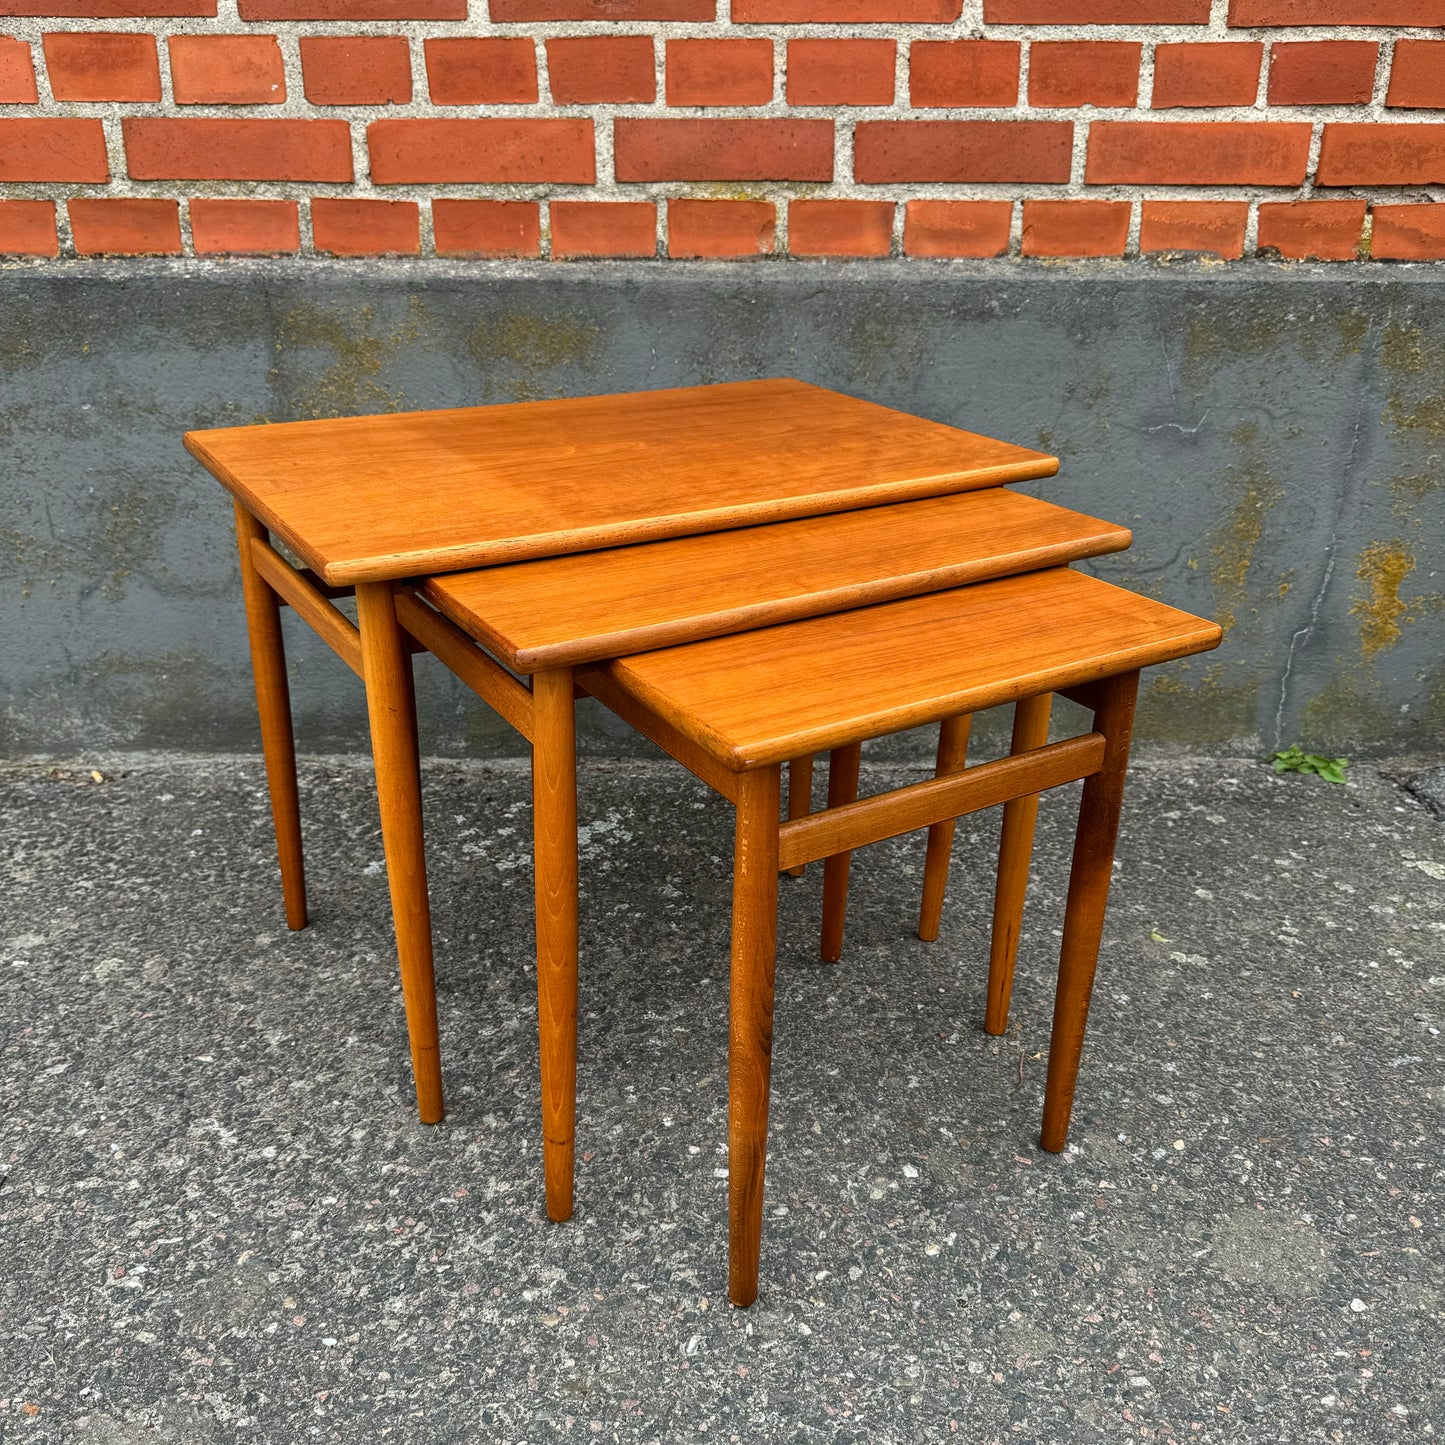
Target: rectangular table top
413	494
762	697
563	611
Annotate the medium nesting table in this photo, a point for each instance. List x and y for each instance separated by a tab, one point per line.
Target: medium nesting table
548	618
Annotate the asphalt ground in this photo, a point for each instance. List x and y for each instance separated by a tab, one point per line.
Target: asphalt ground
221	1221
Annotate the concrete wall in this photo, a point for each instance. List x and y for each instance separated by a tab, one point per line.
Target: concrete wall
1272	435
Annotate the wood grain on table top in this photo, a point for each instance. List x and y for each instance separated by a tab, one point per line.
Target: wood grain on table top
564	611
762	697
410	494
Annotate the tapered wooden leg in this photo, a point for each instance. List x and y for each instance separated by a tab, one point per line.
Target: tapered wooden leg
1016	847
952	755
273	703
750	1022
800	797
842	788
386	668
554	823
1089	880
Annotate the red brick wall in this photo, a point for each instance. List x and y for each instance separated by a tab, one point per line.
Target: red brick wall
724	128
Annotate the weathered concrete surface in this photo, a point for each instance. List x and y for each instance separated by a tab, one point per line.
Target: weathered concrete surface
1272	434
222	1223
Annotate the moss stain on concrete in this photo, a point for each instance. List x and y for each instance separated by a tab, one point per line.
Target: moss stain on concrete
530	345
352	383
1408	353
1382	567
884	345
1174	707
1415	487
1353	327
1340	714
1233	545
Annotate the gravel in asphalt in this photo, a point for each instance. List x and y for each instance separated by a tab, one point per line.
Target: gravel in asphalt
221	1221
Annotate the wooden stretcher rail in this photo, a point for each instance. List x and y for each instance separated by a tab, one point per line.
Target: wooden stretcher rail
870	820
488	679
687	752
332	625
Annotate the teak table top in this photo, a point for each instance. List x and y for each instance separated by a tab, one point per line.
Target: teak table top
564	611
756	698
411	494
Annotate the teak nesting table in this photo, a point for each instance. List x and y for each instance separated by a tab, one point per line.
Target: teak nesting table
784	502
367	502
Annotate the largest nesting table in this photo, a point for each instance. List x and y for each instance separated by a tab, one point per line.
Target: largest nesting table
373	504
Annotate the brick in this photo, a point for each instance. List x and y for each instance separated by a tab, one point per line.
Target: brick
945	73
17	73
356	69
116	226
469	70
525	10
1417	75
1312	230
1322	72
1096	12
244	228
719	72
473	70
846	12
1075	228
962	151
1212	227
486	149
1363	154
1208	72
840	228
1198	153
1401	233
956	228
722	150
106	9
594	69
343	226
486	228
603	228
52	149
720	229
1337	12
353	9
1084	72
227	70
95	65
161	148
27	228
841	72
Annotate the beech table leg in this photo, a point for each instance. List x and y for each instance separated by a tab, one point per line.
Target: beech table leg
1016	847
1089	880
750	1022
800	797
842	788
273	703
386	667
952	755
554	824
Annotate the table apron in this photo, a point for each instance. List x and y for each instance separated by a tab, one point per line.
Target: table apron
308	600
488	679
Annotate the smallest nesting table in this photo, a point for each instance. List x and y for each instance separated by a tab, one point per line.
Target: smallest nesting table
733	709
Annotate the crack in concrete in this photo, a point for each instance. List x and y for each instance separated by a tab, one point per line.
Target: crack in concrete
1301	635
